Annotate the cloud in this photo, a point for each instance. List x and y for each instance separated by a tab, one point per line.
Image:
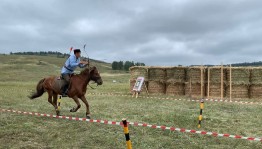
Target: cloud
155	32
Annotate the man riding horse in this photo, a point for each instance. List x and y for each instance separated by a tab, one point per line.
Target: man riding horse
68	69
77	87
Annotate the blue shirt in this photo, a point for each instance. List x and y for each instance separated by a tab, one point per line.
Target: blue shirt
71	64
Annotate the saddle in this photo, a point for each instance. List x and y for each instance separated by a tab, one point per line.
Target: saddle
61	83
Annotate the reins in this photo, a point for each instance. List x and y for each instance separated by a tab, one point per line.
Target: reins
92	87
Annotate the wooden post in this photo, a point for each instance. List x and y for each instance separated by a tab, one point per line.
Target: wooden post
230	82
127	136
200	118
208	82
222	82
201	70
146	89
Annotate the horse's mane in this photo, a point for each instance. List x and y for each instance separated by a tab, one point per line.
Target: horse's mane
85	71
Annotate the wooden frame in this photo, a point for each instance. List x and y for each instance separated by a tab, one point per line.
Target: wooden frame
222	82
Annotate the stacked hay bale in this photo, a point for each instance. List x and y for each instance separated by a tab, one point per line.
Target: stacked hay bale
138	71
175	80
215	82
240	77
193	84
187	81
156	77
256	83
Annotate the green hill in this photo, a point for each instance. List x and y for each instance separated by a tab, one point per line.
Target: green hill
20	67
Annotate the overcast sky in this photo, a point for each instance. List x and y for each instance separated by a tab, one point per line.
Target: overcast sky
160	32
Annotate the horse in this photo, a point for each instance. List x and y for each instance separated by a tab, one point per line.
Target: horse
77	88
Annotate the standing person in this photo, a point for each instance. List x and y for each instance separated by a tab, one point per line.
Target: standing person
70	65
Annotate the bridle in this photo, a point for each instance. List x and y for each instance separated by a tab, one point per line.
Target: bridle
95	79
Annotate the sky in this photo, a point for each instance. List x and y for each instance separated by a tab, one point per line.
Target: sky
160	32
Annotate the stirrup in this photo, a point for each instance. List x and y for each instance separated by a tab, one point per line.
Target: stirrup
64	95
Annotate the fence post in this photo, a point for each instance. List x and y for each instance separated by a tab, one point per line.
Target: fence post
208	82
230	82
201	112
59	105
201	80
126	131
222	81
59	102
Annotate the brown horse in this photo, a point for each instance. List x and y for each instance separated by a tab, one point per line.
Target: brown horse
77	88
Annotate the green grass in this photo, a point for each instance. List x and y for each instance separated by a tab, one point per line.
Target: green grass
22	131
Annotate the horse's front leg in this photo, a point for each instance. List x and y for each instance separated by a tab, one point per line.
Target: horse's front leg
74	109
83	98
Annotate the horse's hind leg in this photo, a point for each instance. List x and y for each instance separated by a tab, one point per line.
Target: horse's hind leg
50	95
77	103
83	98
55	103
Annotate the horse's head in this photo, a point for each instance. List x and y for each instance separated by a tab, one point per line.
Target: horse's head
95	76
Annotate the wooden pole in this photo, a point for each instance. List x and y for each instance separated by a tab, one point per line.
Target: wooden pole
201	70
200	118
127	136
146	89
230	82
222	82
208	82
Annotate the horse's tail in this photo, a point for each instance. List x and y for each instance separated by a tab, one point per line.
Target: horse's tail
39	90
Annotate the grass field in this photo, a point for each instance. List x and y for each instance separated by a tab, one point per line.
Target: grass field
21	73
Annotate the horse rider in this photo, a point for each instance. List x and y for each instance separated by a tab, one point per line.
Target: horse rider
68	69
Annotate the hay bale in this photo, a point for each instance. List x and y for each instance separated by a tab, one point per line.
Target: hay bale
194	74
215	75
176	74
139	71
156	87
238	91
133	82
215	90
256	91
157	74
256	75
194	89
175	89
240	75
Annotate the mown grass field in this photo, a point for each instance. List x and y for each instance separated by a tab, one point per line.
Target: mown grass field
21	73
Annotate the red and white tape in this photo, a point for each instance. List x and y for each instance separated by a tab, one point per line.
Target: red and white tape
136	124
63	117
197	132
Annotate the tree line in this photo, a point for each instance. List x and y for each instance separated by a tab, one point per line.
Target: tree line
42	53
121	65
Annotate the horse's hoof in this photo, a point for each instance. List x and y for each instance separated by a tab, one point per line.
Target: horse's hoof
58	113
88	117
72	110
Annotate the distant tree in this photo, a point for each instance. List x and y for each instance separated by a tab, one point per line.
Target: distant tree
120	65
142	64
127	65
114	65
